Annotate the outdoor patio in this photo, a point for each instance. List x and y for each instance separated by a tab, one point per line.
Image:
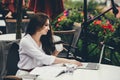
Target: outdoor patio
95	23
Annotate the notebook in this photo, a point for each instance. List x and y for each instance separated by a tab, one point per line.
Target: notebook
93	66
47	71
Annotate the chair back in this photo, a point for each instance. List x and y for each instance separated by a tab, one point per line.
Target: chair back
70	37
12	59
9	58
76	36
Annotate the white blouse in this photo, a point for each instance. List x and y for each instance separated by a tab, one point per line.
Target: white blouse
31	55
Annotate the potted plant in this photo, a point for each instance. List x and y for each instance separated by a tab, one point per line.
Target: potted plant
65	20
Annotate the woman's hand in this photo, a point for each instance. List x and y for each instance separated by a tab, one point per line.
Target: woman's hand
9	15
75	62
69	61
55	53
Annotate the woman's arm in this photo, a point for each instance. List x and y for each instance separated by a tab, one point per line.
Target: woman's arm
55	53
9	15
64	60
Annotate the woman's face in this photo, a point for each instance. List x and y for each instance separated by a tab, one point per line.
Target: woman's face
45	28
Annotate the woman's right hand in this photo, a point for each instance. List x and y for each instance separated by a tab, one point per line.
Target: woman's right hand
69	61
75	62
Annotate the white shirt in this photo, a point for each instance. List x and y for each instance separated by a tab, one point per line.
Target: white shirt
31	55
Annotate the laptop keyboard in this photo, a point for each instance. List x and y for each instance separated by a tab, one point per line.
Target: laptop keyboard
91	65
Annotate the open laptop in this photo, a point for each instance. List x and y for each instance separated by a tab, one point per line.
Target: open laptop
93	66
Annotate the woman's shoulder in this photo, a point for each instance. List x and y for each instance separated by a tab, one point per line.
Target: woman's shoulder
25	39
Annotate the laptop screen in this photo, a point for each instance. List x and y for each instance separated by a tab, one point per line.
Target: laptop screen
101	54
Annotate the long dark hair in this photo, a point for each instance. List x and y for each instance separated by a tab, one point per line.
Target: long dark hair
37	22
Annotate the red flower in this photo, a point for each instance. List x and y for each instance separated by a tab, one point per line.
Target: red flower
59	19
104	26
108	26
97	22
62	17
65	13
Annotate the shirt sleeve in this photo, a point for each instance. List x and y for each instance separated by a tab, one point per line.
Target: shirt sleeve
31	50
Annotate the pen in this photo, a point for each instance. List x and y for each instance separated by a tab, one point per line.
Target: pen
62	72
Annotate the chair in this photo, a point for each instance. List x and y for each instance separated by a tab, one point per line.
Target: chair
66	41
11	25
10	60
70	39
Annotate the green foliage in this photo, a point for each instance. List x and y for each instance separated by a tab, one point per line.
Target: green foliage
65	20
68	4
107	31
102	28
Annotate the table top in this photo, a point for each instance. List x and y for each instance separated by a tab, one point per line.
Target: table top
106	72
2	23
8	37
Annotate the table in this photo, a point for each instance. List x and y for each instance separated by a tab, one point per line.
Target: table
2	26
106	72
11	25
8	37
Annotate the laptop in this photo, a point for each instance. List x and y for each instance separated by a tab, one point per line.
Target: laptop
93	66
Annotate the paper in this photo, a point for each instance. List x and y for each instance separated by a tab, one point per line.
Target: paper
59	47
47	71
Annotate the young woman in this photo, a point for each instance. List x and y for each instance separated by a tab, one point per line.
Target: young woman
37	48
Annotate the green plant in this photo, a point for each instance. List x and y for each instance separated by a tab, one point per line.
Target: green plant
102	29
65	20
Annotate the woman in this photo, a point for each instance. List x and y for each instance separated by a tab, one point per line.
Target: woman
37	48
